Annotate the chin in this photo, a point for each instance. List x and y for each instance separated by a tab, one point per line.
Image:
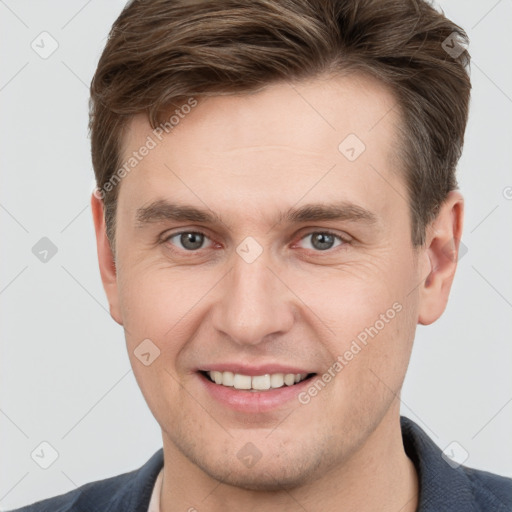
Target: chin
277	469
263	478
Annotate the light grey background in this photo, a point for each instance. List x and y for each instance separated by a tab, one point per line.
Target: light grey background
65	375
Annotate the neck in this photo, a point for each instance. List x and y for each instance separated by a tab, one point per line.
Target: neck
378	477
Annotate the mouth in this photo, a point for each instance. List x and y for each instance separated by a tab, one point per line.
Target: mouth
255	383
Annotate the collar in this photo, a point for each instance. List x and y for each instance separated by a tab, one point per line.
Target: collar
441	486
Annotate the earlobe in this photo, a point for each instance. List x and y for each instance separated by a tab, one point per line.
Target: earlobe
440	258
106	260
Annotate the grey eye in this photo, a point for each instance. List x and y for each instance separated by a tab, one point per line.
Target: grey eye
322	241
189	240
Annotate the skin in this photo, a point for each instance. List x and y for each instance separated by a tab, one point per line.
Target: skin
247	158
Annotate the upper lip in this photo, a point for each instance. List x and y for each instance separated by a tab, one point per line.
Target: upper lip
253	370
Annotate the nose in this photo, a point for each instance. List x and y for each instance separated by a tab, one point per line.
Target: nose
254	303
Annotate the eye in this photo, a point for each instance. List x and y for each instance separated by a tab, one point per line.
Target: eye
189	240
323	240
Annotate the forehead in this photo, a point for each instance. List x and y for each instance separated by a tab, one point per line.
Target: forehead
275	145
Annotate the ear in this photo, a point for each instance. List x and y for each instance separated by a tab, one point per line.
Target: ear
106	258
440	256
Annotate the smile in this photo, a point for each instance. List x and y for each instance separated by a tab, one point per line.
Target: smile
256	382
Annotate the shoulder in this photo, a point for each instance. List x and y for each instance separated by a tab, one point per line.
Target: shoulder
129	491
446	485
491	492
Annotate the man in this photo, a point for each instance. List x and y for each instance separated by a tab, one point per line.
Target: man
276	211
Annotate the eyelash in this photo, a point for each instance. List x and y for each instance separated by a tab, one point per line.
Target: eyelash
343	240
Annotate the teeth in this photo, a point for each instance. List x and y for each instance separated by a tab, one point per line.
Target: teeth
257	382
227	379
261	382
242	381
277	380
289	379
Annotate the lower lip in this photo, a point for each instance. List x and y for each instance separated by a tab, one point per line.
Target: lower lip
253	401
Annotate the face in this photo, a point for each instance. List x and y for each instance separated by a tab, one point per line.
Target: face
260	239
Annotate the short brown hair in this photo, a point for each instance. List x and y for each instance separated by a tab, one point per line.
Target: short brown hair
160	53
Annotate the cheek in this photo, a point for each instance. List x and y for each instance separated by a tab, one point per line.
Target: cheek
158	305
366	314
156	302
166	306
376	353
351	297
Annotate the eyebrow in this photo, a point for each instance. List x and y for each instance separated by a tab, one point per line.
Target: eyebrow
341	211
